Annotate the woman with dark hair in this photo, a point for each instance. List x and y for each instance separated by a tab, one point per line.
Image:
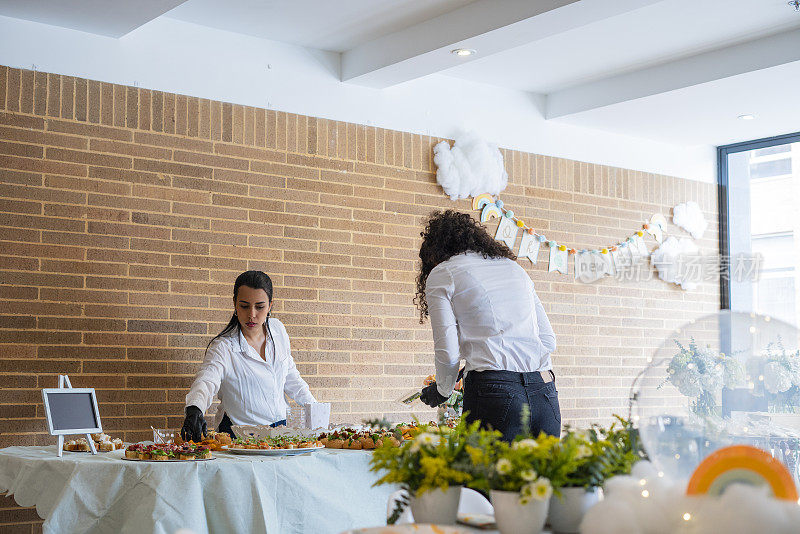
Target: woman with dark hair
484	310
248	365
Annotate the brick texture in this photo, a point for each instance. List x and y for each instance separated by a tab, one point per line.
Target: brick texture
126	214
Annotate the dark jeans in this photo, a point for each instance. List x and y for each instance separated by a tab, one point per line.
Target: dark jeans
496	399
226	425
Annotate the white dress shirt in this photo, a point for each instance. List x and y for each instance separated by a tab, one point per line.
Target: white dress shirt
486	312
250	389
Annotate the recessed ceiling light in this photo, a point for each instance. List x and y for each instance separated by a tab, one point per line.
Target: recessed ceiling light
747	117
463	52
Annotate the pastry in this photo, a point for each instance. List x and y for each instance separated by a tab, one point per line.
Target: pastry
159	455
202	453
132	452
144	452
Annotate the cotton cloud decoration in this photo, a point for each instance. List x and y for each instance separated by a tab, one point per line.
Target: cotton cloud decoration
690	217
670	261
471	167
741	509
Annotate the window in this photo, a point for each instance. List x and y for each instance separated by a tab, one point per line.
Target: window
760	226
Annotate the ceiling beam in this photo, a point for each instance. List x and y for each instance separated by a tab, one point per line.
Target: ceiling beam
110	18
750	56
488	26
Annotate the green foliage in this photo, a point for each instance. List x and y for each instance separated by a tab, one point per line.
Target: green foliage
580	458
435	458
399	505
613	451
534	467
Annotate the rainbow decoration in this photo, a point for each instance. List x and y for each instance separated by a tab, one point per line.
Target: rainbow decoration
481	200
743	464
490	211
491	208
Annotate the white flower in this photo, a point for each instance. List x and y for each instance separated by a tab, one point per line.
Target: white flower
542	489
582	435
528	475
428	439
525	444
526	490
583	452
503	466
794	369
776	378
524	500
688	383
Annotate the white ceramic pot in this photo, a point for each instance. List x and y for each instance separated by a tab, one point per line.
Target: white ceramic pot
567	513
436	506
515	518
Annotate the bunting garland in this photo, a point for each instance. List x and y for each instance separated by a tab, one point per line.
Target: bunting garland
590	264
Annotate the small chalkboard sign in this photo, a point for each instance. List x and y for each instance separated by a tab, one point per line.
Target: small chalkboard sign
71	411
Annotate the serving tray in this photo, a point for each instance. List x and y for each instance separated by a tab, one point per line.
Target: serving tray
273	452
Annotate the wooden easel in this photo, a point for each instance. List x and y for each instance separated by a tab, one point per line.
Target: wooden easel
64	383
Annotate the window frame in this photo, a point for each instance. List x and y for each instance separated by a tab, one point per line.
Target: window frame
722	199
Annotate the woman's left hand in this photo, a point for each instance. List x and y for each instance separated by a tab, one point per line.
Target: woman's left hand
431	396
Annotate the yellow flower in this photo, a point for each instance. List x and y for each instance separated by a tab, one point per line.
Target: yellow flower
438	475
528	475
476	455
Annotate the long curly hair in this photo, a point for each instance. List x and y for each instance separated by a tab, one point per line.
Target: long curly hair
447	234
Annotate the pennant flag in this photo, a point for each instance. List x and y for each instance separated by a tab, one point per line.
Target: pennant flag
558	260
529	247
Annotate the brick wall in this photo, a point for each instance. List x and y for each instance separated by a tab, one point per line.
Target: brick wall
126	214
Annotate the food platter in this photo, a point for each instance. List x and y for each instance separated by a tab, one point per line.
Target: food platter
273	452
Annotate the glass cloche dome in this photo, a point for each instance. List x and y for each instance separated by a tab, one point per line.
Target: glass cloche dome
729	378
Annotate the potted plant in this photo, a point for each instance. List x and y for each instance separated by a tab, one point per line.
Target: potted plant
520	477
431	467
599	454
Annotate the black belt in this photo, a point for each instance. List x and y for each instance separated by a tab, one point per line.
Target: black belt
534	377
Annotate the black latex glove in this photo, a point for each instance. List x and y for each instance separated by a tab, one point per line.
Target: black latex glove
194	426
430	396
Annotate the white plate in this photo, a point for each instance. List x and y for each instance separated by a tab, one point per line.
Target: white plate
414	528
274	452
95	448
166	461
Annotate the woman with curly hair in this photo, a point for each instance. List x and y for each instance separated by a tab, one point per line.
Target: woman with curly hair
484	310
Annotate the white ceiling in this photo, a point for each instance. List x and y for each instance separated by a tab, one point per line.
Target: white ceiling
112	18
656	33
336	26
678	71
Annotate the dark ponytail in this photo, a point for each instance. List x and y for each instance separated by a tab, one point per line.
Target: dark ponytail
255	280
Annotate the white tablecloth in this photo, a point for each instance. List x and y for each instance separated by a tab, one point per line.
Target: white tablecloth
328	491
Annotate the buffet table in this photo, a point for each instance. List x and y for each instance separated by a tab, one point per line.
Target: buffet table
328	491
